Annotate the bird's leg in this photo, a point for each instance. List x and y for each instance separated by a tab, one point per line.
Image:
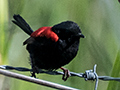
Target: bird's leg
34	70
66	74
33	74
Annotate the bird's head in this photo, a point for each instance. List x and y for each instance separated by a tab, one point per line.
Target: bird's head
67	29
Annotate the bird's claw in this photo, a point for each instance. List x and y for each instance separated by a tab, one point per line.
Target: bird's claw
66	74
33	74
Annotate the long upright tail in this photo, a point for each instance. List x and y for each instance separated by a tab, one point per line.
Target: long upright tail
19	21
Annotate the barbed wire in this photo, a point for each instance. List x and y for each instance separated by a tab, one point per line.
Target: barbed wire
88	75
35	80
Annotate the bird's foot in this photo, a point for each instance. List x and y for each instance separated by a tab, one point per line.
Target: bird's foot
34	70
33	74
66	74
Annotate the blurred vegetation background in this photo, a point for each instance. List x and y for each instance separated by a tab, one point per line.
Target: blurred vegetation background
99	21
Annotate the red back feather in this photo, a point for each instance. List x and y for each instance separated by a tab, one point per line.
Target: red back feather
45	32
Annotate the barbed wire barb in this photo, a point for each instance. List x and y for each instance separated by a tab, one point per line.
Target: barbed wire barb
96	76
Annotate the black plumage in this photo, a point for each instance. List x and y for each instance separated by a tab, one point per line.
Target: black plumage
47	54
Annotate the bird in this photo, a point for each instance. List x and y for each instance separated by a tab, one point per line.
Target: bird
51	47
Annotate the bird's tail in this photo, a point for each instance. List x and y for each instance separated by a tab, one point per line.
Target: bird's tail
19	21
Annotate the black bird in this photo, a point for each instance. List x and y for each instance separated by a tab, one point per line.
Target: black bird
51	48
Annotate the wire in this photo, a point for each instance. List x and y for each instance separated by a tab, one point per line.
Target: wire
88	75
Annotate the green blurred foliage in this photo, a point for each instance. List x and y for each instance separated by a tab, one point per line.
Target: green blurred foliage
115	73
98	20
3	29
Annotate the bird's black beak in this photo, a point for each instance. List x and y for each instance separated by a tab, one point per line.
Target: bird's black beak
81	35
